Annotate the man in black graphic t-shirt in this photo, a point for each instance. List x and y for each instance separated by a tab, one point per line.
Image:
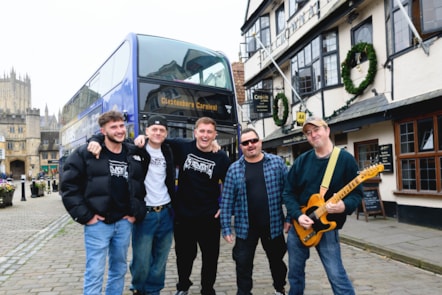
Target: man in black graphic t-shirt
196	204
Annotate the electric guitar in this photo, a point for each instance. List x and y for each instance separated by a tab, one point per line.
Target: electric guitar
316	208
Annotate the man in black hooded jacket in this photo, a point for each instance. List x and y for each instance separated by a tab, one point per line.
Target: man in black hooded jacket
106	195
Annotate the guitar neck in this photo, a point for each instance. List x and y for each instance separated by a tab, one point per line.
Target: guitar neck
342	193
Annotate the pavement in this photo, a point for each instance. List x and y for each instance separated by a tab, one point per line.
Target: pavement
42	253
415	245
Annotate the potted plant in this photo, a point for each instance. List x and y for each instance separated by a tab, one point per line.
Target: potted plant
41	185
7	190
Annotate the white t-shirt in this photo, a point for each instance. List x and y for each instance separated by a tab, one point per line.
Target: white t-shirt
156	189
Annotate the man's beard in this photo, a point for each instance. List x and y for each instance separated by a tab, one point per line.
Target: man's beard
112	139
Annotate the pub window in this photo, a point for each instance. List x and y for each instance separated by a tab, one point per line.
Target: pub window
316	65
366	153
425	16
280	20
45	155
295	6
262	29
419	153
363	33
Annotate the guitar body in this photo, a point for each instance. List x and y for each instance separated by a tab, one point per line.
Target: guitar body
310	237
316	208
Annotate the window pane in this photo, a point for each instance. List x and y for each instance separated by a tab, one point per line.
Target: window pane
301	60
427	174
407	137
401	31
425	134
368	154
408	174
431	16
363	34
305	80
329	42
316	76
308	54
439	128
280	20
331	70
315	48
440	171
265	30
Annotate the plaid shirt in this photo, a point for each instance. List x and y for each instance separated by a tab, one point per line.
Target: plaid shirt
234	196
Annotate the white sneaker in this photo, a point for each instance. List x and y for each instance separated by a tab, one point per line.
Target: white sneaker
279	293
182	293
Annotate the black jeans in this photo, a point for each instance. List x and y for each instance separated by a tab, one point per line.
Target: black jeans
190	233
244	253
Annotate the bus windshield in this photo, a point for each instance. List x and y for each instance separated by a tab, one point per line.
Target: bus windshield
168	59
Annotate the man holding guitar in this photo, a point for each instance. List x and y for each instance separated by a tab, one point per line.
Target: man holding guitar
316	220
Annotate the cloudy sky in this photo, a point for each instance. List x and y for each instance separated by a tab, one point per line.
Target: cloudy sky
60	43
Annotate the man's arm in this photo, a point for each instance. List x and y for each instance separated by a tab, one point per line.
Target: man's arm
72	186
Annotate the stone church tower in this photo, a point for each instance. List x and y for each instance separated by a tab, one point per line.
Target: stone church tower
19	126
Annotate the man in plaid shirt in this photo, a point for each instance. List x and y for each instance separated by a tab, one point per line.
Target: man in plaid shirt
252	193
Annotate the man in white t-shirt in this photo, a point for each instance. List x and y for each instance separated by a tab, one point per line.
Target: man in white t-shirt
152	237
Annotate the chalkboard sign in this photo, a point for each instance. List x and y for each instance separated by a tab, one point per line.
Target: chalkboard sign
371	200
386	157
372	203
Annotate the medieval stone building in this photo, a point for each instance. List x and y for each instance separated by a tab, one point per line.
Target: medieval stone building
19	127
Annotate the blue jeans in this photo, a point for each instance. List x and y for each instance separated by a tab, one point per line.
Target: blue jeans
151	242
329	251
106	240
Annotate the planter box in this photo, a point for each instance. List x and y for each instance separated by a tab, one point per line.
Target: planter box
6	199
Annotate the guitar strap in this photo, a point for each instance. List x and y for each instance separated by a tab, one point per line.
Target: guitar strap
329	171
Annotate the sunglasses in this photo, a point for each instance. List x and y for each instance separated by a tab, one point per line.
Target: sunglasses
252	141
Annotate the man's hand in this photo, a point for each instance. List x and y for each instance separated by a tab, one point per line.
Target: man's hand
217	213
215	146
131	219
339	207
229	239
140	141
95	219
287	226
94	148
305	221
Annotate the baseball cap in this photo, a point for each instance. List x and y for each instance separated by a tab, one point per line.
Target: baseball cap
157	120
318	122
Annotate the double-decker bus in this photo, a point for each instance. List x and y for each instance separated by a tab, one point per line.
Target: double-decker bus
149	75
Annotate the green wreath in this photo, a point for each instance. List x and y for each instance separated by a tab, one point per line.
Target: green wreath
349	62
285	114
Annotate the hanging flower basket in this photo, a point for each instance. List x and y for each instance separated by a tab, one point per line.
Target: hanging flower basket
368	50
285	103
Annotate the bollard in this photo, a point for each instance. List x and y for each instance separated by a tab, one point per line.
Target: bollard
34	189
23	196
49	186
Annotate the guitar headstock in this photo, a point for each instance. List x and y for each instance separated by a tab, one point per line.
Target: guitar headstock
371	171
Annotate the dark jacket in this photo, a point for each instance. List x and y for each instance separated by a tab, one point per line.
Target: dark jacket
168	155
86	180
